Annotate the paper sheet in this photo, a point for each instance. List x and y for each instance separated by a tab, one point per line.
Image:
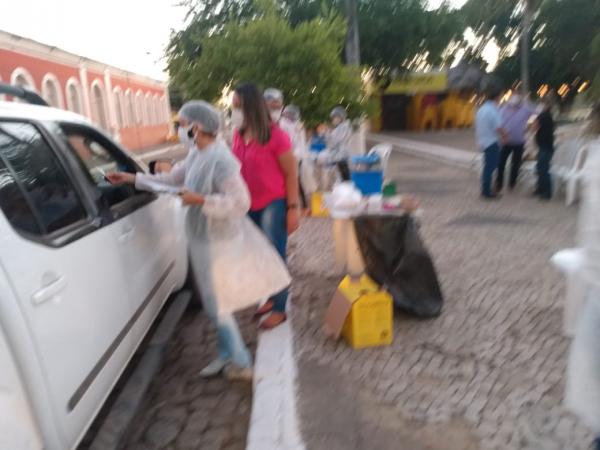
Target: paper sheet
162	188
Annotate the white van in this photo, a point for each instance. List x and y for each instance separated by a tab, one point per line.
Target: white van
85	268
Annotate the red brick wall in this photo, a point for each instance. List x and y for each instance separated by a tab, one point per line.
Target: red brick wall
134	138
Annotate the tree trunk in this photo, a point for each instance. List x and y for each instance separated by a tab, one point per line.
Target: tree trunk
352	40
526	45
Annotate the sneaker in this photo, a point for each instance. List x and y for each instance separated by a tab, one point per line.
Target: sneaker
213	369
234	373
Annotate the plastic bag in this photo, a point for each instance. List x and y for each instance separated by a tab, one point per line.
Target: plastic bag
396	258
344	200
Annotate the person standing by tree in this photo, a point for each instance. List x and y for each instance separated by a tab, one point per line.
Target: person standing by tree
489	134
338	140
271	173
544	137
515	117
274	99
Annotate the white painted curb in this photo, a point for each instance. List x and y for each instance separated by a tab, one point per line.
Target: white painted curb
273	423
434	152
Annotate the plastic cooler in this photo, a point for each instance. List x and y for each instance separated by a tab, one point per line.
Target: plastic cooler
367	174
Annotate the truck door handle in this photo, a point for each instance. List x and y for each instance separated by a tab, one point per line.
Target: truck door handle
49	291
127	232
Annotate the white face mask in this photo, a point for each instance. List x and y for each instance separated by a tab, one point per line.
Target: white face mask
184	137
237	118
276	114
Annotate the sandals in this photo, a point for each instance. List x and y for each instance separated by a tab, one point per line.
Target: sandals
273	321
266	308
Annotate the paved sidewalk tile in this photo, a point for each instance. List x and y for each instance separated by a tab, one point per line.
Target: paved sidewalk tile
182	411
488	373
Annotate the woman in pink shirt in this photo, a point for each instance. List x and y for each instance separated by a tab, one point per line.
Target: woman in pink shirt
270	171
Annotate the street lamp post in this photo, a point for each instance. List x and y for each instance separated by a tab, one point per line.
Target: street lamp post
352	40
525	45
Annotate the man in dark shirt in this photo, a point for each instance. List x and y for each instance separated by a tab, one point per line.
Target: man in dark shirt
544	137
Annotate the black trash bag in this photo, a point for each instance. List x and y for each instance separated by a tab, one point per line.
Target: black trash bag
395	257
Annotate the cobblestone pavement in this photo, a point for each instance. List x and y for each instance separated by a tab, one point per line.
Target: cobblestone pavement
488	373
181	411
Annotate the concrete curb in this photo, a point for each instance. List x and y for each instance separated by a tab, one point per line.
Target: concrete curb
273	423
438	153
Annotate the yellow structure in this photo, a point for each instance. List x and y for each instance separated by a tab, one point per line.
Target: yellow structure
370	322
317	205
424	112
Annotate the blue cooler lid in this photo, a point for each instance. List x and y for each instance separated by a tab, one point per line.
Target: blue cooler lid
366	159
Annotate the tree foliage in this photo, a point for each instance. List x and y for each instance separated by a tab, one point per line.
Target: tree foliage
303	61
565	44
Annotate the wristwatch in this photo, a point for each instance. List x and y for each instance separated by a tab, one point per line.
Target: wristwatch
292	206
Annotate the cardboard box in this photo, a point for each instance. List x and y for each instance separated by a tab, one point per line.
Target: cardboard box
361	312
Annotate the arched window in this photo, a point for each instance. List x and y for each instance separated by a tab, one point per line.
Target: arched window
131	119
147	110
98	105
139	108
51	91
74	96
21	77
163	110
120	107
156	107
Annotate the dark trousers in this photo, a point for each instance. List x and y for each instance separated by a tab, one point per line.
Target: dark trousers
491	155
544	185
517	156
272	220
304	201
344	170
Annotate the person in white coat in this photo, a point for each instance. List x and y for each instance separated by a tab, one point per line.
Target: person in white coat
233	263
291	123
338	140
583	373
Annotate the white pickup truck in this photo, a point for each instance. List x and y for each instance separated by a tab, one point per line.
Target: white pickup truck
85	267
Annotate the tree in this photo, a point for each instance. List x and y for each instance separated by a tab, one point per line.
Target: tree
565	37
303	61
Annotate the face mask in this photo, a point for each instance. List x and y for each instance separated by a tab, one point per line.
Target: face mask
184	136
276	115
237	118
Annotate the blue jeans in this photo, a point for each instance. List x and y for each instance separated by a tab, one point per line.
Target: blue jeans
272	220
491	158
230	342
544	187
231	346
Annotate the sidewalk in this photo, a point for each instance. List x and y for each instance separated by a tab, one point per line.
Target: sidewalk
488	373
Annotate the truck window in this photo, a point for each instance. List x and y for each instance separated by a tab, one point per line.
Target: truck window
36	194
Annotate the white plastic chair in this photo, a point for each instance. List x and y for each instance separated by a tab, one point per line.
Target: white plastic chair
383	151
570	262
573	176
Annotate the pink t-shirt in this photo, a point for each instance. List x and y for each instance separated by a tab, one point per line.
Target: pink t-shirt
260	167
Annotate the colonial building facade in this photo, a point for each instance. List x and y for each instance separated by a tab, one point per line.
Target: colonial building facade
134	109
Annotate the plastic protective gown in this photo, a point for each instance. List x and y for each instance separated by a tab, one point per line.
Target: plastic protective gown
338	141
234	264
583	374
